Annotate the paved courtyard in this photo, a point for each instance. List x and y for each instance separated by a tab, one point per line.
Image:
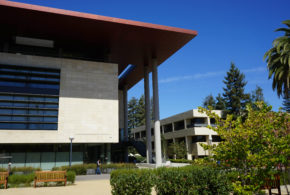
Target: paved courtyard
84	185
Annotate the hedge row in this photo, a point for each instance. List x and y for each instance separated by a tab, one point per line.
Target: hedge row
27	179
182	161
21	169
138	181
184	180
81	169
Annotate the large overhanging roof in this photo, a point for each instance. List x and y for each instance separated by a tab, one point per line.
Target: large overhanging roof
127	42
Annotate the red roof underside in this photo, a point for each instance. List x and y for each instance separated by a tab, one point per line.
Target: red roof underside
128	42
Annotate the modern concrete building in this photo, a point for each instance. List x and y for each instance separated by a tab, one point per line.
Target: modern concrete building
64	78
189	127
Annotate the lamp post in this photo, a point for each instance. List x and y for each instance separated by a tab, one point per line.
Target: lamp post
70	153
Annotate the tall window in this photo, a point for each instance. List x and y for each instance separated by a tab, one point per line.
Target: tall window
29	98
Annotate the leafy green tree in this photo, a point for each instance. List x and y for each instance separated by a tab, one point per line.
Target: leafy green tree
209	101
253	147
234	96
257	95
136	112
220	103
140	114
286	103
132	111
278	61
177	150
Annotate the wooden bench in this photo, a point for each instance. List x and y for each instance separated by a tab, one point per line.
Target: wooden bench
4	178
273	184
50	176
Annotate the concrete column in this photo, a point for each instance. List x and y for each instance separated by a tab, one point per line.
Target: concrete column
208	121
188	142
157	136
147	116
125	101
102	153
209	142
108	153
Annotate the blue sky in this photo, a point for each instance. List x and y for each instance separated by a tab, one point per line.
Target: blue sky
238	31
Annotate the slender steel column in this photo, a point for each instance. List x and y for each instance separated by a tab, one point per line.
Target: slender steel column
70	151
157	136
147	115
125	101
108	153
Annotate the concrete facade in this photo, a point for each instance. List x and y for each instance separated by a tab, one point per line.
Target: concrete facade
184	127
88	102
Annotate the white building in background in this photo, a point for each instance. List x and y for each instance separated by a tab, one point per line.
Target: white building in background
190	127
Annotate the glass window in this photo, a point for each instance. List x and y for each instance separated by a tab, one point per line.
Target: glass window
7	104
51	106
199	138
18	126
5	126
16	104
6	97
35	119
12	84
26	91
50	112
16	97
19	118
20	111
5	111
5	118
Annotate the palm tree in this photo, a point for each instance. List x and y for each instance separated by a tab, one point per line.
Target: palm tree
278	61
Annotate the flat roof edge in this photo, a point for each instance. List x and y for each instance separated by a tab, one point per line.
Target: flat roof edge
95	17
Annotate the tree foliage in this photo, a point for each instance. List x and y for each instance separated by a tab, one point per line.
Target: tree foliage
209	101
286	103
220	103
136	112
254	147
177	149
234	92
278	61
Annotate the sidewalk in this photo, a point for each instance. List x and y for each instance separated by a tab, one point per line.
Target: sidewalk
85	187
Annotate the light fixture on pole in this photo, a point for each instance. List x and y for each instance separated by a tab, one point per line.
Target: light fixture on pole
70	154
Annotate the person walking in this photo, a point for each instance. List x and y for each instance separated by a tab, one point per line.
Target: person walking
9	168
98	167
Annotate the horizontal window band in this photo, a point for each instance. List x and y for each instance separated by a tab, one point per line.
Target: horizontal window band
27	108
28	122
28	101
29	68
28	90
28	94
17	80
28	115
29	74
27	79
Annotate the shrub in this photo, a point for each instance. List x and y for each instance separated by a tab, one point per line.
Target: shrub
15	180
131	182
25	169
71	176
119	166
3	169
191	180
182	161
81	169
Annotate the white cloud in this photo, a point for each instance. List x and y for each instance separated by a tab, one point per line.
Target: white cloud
207	75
